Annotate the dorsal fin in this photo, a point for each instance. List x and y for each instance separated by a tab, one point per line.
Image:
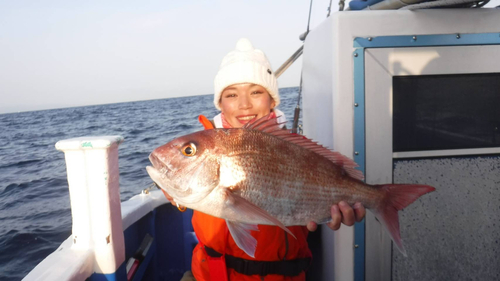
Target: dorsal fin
263	122
272	127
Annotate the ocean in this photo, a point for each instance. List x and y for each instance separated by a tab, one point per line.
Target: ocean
35	213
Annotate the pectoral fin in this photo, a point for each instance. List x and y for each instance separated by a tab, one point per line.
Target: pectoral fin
241	235
243	206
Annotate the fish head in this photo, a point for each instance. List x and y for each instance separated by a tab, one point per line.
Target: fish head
187	168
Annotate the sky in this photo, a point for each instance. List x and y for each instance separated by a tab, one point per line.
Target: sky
56	54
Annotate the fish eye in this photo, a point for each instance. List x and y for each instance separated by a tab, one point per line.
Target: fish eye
189	149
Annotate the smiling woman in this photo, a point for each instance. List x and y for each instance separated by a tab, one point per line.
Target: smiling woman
246	88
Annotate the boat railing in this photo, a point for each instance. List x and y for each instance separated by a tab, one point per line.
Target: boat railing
96	245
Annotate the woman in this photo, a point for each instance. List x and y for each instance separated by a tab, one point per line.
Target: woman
246	88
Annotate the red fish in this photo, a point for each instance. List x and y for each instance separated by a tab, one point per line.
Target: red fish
260	174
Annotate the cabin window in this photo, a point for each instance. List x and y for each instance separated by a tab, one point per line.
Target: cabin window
435	112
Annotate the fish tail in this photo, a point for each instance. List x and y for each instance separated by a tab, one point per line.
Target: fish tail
398	197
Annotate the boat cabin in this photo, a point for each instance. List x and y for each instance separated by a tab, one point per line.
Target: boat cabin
412	97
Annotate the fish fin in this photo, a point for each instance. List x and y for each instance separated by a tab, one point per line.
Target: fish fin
255	123
398	197
241	235
241	205
271	126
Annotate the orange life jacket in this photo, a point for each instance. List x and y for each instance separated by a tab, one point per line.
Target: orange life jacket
273	244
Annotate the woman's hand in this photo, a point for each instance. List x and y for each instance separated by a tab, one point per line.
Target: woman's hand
342	213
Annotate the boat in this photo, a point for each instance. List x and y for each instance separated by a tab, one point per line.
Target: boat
410	95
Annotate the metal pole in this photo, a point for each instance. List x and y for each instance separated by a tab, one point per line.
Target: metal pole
289	62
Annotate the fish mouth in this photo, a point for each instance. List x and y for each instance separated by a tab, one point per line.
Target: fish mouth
160	165
157	163
162	182
160	173
181	194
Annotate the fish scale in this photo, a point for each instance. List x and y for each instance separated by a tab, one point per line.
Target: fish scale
260	174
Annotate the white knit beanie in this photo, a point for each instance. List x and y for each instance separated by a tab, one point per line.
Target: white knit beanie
245	65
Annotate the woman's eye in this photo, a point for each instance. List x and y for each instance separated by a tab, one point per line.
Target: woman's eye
256	92
189	149
230	95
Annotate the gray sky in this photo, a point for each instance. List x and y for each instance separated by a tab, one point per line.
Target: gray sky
70	53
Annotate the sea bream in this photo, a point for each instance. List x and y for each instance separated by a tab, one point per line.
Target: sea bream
261	174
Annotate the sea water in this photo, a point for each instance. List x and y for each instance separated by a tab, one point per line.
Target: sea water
35	214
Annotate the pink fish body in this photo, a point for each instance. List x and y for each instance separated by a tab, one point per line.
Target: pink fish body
261	174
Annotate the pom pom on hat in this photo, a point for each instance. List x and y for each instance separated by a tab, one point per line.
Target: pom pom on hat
244	45
245	65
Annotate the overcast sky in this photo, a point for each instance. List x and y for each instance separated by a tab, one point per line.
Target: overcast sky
69	53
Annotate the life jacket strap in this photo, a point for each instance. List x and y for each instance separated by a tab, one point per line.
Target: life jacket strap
253	267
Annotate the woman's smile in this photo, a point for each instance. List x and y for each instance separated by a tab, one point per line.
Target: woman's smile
246	118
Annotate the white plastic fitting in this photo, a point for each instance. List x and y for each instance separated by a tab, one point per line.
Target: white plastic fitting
93	178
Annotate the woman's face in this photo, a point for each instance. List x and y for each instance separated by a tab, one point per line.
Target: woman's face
240	103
